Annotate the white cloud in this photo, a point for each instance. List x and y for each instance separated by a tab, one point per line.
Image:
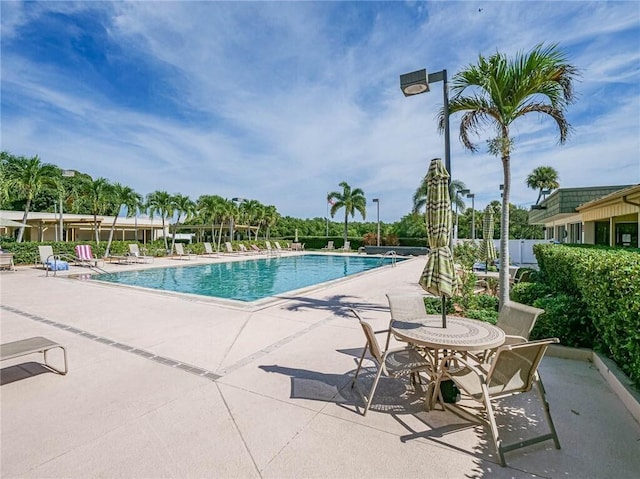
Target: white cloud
282	101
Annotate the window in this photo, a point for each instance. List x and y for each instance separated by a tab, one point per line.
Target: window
602	233
626	235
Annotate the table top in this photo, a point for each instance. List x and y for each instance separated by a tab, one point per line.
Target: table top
461	334
486	274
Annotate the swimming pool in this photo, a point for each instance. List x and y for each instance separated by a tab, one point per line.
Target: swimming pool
249	280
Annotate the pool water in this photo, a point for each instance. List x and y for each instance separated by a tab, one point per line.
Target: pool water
248	280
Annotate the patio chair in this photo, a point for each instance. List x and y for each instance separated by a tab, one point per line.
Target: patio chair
6	261
182	253
134	252
346	247
409	307
517	321
396	362
84	256
329	246
514	370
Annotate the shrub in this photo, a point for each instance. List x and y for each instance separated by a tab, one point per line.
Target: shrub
527	293
483	315
605	285
564	318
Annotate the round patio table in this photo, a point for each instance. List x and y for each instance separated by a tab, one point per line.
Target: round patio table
461	334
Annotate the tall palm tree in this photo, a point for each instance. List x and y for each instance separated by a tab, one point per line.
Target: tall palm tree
271	217
181	205
122	197
543	178
351	200
27	177
252	212
98	194
420	196
496	92
160	202
209	209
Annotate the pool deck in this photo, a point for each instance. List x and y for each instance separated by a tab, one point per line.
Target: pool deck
169	386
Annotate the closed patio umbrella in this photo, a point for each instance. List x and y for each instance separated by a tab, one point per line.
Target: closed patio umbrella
438	276
487	249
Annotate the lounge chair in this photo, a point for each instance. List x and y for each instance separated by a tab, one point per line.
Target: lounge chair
270	250
256	249
346	247
228	249
84	256
395	362
280	248
181	252
50	261
514	370
329	246
6	261
134	252
33	345
208	250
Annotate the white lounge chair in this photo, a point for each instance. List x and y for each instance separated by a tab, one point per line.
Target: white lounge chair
6	261
347	246
208	250
134	252
182	254
329	246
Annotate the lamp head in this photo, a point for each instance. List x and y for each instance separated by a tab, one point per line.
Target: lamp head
414	83
471	195
375	200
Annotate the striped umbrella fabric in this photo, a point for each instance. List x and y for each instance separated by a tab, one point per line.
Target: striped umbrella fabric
487	249
438	276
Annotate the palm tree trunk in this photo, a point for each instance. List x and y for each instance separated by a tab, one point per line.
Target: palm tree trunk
164	236
113	227
503	277
539	196
219	234
346	230
24	221
95	228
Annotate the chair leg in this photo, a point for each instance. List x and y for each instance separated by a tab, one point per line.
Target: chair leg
373	390
547	412
497	442
364	351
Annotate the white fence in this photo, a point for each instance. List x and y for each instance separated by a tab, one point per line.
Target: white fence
520	251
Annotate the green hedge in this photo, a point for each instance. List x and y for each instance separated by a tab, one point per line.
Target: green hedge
597	292
27	252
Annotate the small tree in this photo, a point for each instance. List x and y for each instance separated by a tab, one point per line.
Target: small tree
349	199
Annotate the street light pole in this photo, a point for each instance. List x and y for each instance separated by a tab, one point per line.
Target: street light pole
417	82
473	215
377	202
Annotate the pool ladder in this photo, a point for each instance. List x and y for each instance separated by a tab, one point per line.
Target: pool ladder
393	255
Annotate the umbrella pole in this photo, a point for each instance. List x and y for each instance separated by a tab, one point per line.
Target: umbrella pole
444	311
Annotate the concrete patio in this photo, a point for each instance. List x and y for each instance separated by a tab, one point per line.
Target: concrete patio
168	386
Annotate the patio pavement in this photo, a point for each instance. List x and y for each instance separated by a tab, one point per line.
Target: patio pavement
168	386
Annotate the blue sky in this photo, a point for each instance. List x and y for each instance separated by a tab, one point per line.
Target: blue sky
281	101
